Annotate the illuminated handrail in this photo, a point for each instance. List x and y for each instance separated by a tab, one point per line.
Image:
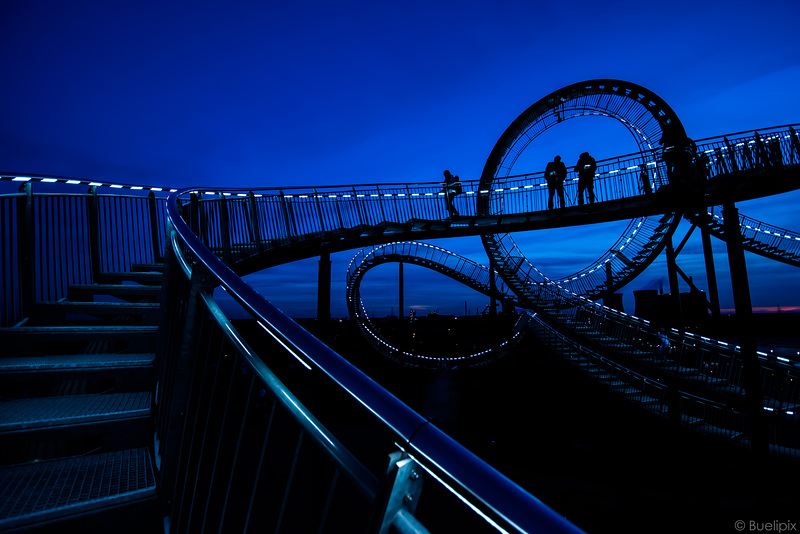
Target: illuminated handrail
479	485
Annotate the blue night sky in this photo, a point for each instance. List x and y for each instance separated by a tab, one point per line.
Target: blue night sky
250	94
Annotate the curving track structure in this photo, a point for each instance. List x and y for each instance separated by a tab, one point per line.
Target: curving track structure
57	248
618	349
459	268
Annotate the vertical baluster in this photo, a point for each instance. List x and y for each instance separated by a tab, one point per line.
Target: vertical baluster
260	466
319	211
27	250
328	500
225	230
255	230
232	362
292	469
237	448
158	257
94	233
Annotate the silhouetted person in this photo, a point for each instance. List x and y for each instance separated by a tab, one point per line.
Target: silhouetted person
586	168
644	178
676	155
555	172
451	186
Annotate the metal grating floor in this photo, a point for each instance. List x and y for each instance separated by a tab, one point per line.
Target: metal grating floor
75	361
26	414
44	490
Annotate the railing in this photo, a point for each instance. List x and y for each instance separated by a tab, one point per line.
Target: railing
663	399
242	223
227	424
53	240
694	363
760	237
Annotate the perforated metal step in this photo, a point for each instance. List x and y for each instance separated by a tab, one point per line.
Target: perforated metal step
37	413
45	490
64	362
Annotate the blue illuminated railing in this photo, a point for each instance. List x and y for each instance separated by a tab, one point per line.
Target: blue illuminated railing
211	383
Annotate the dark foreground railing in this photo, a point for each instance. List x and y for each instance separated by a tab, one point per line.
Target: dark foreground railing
276	431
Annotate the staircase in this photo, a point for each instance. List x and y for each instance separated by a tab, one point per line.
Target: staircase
75	427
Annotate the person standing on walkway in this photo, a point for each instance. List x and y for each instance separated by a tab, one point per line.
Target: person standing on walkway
586	168
644	177
555	173
451	189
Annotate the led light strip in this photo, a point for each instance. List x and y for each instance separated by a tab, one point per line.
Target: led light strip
72	181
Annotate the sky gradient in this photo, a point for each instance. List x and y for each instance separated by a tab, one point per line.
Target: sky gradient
250	94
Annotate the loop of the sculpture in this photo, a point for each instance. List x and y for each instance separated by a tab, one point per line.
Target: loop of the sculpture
646	116
408	252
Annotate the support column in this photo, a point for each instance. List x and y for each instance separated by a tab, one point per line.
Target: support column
93	211
744	324
674	289
26	251
493	289
711	274
324	287
401	290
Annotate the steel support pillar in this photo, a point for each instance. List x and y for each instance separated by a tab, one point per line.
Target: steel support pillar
401	289
674	289
26	251
324	287
711	274
493	288
744	325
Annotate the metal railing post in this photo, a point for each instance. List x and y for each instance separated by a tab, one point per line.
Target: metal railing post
319	211
224	228
398	497
179	354
94	232
361	217
158	257
255	230
286	219
27	250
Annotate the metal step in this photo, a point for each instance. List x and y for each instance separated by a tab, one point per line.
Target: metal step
147	267
57	311
148	278
21	340
23	415
39	491
74	362
129	292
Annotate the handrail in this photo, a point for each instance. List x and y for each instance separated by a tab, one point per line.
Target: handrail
475	480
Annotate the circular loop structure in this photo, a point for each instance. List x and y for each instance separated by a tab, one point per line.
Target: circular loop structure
650	121
449	264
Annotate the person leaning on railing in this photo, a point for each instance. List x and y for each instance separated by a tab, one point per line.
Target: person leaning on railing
452	187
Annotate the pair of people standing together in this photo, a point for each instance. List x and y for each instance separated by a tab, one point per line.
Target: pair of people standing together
556	172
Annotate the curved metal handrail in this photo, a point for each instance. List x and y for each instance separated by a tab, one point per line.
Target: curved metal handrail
477	481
